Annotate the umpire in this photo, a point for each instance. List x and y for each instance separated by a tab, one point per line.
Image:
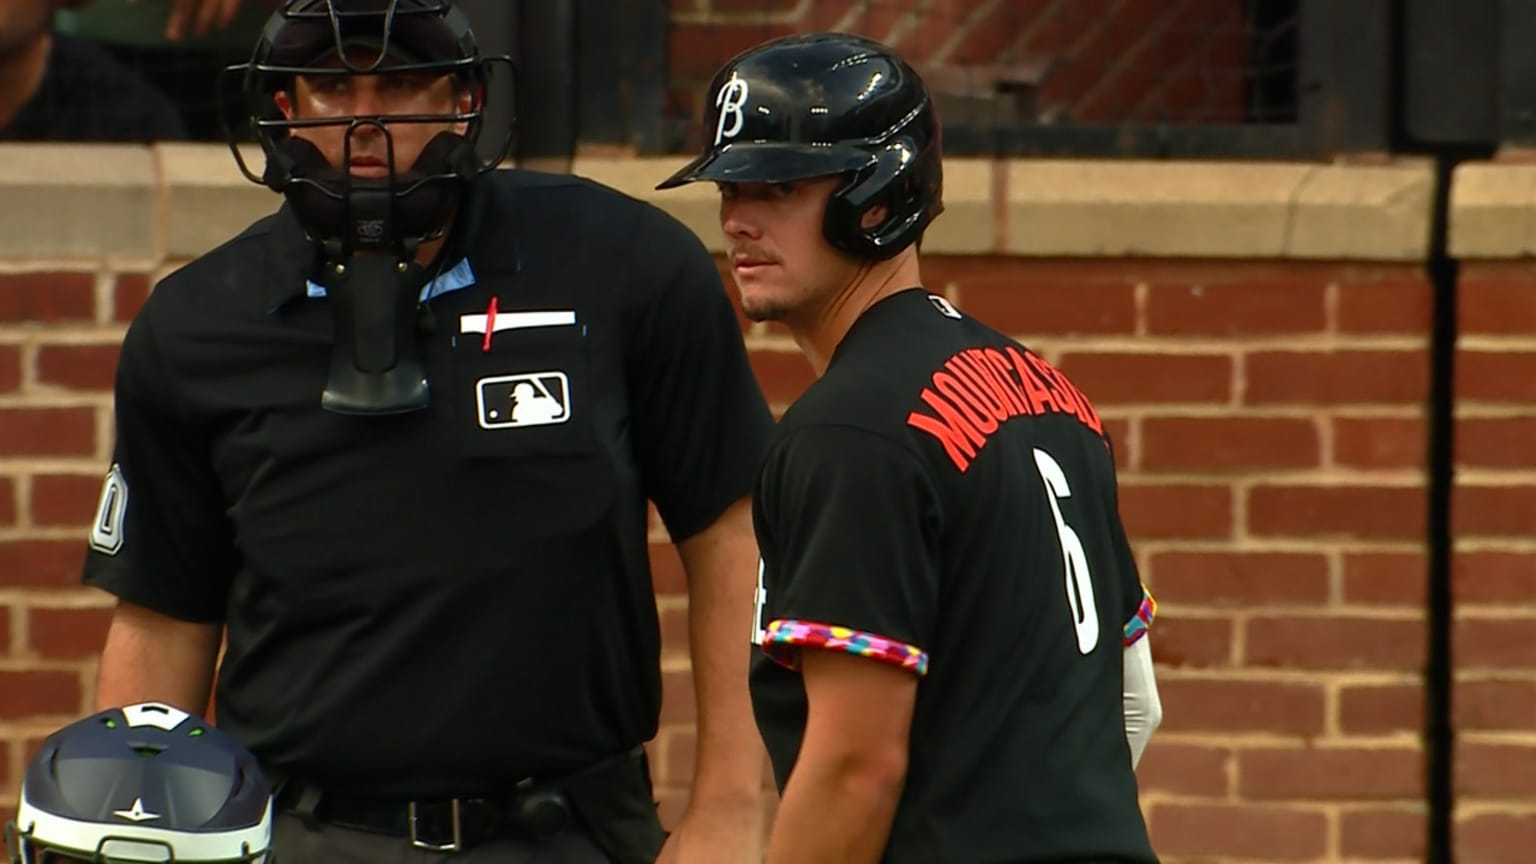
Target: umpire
397	441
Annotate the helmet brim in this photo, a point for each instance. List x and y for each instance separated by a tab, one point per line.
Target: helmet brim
769	162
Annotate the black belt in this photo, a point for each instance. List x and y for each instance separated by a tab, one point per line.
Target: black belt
533	810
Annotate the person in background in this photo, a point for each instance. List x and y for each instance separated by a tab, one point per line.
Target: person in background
179	46
55	87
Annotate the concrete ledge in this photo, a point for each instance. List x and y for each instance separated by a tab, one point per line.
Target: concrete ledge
1218	210
77	202
967	226
208	200
177	201
1493	211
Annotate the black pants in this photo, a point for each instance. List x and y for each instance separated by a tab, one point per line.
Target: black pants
293	843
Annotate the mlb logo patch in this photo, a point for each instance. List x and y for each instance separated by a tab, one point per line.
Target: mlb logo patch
525	399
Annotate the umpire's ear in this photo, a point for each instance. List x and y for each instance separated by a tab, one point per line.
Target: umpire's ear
283	99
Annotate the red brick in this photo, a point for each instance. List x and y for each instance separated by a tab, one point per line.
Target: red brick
671	804
1193	642
759	7
697	51
68	634
47	297
5	650
34	693
1337	377
1381	709
1185	511
1240	579
1141	379
1373	512
1334	643
1334	773
1495	838
988	39
1495	643
1237	705
77	367
1493	511
1495	770
1505	442
1206	831
1227	443
1391	306
1294	306
1380	442
129	291
41	562
667	574
1495	376
1493	577
1050	308
674	632
47	432
10	368
682	747
1496	306
1184	769
1119	433
783	375
677	705
1494	705
7	502
1382	579
65	499
1396	833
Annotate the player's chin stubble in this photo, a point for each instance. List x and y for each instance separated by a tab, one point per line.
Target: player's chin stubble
759	308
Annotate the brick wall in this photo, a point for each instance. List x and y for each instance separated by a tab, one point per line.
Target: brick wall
1494	636
1269	394
1102	60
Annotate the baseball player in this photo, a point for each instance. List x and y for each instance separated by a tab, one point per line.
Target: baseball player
954	659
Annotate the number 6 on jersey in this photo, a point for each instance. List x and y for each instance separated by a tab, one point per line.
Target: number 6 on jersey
1085	616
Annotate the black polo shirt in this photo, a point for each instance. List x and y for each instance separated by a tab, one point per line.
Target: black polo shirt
87	95
944	500
446	601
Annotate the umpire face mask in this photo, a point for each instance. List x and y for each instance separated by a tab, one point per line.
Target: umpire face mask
368	112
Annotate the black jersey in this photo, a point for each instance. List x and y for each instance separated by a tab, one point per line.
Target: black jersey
944	500
441	602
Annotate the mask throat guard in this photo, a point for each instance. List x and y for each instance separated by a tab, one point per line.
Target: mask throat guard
369	233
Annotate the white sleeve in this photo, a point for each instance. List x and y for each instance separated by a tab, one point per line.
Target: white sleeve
1143	710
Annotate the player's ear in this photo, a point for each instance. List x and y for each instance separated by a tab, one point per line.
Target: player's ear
875	216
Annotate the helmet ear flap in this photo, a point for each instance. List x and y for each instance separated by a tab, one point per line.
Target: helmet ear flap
883	182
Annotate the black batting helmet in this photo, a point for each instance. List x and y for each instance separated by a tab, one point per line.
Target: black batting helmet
145	782
829	104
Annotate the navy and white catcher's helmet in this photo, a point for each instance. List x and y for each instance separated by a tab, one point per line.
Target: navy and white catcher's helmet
146	782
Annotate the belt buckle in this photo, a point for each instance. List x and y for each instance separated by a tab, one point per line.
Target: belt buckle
454	845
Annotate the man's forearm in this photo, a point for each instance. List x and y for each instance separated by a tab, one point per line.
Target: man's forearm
721	567
836	812
150	657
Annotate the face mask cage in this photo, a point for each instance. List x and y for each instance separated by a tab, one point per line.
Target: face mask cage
332	30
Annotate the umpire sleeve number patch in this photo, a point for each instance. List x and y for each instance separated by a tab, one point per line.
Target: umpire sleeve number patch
107	529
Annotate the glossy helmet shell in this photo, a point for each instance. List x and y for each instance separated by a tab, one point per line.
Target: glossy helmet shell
829	104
